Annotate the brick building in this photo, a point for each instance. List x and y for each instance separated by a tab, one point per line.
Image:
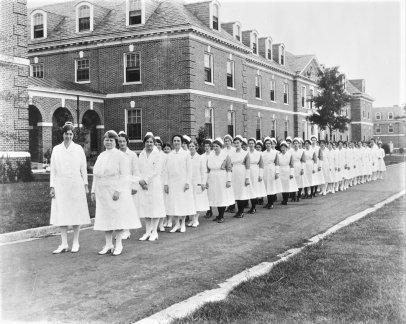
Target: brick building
162	66
390	125
13	80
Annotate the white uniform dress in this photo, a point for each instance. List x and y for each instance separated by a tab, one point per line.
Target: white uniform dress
368	160
332	165
178	172
318	176
219	172
299	165
328	175
374	158
240	162
348	162
68	178
340	163
151	201
310	165
256	188
381	161
288	184
199	177
134	176
271	168
111	173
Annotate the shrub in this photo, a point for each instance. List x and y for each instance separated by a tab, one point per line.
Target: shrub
386	148
24	172
401	150
19	171
201	136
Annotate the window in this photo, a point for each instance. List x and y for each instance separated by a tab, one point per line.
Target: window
286	128
273	128
311	99
258	132
82	70
282	55
258	86
378	129
38	26
390	115
132	68
37	70
83	22
363	112
215	17
368	114
208	67
390	128
134	124
230	74
272	91
208	122
303	97
238	32
269	51
255	43
134	12
231	123
286	93
378	116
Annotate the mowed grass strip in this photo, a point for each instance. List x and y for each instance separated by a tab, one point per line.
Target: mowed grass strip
357	275
25	205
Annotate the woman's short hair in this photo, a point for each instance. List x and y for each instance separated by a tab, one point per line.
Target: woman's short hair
147	137
67	127
122	134
195	143
167	145
180	137
112	134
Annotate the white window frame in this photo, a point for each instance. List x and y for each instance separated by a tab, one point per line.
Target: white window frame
310	105
126	124
378	127
32	70
125	68
211	62
259	118
213	4
390	115
127	14
232	73
254	40
268	47
273	125
390	125
378	116
282	53
78	6
45	23
237	31
272	86
286	87
212	119
259	78
233	121
303	101
76	70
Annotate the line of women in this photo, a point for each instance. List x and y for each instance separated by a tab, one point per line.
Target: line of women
169	183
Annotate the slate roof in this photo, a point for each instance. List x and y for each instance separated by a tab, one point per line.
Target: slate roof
60	85
354	90
109	21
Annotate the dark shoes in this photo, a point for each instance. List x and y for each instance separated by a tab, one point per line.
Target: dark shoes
220	220
208	214
239	215
252	211
284	203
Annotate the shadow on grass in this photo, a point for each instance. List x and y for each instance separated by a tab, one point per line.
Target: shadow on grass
356	275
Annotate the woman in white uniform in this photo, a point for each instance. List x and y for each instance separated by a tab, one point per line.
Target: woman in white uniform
207	144
199	180
270	158
259	146
318	176
332	166
328	178
287	172
228	149
240	181
381	161
257	186
178	185
134	174
219	187
68	188
151	196
115	209
299	165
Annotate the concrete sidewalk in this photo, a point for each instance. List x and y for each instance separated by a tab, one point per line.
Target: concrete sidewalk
150	276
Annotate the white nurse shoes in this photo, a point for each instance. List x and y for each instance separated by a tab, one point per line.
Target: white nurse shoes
153	237
175	228
61	249
75	248
126	235
106	250
144	237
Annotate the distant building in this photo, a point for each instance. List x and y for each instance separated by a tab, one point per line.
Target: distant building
390	125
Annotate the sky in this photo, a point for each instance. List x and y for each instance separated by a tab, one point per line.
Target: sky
365	38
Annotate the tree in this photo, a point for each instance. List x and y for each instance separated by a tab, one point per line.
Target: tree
201	136
330	101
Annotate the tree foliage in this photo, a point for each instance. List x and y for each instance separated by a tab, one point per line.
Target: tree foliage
330	101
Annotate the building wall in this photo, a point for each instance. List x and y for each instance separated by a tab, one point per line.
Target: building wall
398	122
14	136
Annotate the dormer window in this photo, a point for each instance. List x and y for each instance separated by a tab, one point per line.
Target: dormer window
215	23
269	49
84	14
38	25
254	43
237	32
282	55
135	12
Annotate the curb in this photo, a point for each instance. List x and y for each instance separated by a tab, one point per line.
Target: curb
34	233
191	304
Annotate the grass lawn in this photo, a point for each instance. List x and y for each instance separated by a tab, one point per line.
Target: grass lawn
357	275
26	205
